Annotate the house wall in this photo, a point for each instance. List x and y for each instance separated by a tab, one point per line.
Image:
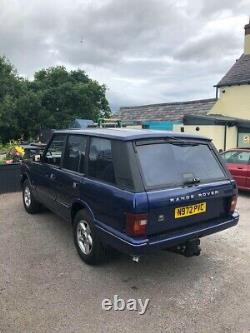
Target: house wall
233	101
247	44
214	132
160	125
232	137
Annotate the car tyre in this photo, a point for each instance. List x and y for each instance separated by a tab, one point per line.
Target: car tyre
87	242
31	205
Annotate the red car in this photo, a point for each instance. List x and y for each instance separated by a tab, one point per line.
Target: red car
238	163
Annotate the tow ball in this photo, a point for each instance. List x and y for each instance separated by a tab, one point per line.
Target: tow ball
136	258
188	249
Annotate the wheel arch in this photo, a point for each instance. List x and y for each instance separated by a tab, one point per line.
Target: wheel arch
78	205
24	176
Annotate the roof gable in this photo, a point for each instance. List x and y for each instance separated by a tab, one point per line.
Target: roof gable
239	73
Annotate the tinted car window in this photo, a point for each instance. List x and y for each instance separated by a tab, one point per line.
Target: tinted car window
238	157
226	156
100	163
55	150
166	164
75	152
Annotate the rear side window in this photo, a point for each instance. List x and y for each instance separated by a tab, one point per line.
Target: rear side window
166	164
55	150
75	152
100	162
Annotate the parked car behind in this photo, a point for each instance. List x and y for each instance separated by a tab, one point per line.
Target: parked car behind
32	149
238	163
133	190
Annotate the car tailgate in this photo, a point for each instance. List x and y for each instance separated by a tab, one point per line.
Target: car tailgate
165	205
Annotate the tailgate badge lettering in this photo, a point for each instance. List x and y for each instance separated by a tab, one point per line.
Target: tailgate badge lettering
160	218
208	194
192	196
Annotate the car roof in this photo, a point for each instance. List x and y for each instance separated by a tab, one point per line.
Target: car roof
127	134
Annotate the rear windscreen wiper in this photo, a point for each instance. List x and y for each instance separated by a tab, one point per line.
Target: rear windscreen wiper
191	181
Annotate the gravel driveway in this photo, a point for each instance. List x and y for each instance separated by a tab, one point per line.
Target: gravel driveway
45	287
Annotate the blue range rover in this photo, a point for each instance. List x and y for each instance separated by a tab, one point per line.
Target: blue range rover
133	190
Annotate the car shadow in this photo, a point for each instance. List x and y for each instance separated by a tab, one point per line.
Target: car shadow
244	193
158	267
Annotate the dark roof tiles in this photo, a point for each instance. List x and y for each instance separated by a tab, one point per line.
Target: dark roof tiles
165	111
239	73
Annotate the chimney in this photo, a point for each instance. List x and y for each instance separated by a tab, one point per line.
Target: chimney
247	39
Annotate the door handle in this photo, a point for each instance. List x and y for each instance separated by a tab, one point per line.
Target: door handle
52	176
239	168
75	185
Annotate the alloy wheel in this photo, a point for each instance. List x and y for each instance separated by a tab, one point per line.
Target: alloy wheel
84	237
27	196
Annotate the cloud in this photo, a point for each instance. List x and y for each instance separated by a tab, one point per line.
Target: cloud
202	49
215	7
145	51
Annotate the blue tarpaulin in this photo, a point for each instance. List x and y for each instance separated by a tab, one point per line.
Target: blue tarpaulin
80	123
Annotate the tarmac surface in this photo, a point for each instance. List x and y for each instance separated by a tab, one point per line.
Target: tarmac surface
45	287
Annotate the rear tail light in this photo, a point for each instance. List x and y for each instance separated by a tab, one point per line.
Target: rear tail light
136	224
233	203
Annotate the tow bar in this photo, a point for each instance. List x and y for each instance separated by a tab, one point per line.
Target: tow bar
136	258
188	249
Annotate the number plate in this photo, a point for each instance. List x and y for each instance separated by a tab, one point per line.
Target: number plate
190	210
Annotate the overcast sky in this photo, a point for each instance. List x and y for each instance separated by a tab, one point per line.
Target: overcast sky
145	51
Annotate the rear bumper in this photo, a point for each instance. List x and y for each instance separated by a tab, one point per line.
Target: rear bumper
142	245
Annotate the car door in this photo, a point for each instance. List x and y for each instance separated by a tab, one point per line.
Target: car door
99	189
248	175
46	173
69	176
238	164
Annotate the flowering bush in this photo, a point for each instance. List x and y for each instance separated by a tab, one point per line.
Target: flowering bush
11	153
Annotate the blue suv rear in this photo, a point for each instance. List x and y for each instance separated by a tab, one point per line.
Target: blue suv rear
133	190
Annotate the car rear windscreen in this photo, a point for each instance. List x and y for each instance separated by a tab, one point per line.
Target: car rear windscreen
172	164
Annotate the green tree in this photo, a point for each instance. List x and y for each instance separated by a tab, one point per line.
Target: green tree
68	95
9	80
10	91
52	100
